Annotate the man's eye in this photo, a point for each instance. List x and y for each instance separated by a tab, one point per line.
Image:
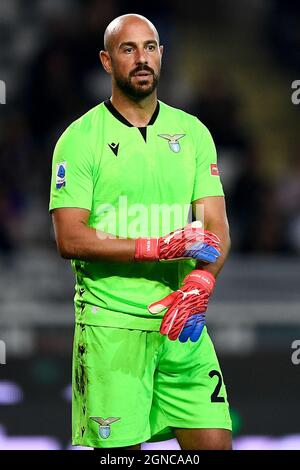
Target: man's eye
151	47
128	50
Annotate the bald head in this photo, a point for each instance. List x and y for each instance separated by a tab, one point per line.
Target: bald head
132	56
125	22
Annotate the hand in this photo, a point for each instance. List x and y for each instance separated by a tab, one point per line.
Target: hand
184	305
187	242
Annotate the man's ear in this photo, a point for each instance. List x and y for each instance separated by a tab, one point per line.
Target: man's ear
105	61
161	48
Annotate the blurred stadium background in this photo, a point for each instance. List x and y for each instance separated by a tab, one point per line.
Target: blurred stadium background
232	64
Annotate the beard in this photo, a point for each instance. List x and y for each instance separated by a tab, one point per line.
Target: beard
140	90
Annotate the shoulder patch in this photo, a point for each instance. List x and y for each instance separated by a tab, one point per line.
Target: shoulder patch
214	170
61	174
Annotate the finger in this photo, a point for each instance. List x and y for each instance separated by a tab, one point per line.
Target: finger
178	323
198	327
168	321
187	329
162	304
169	317
209	254
203	251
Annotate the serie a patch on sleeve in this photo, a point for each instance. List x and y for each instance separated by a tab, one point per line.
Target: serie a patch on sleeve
61	175
214	170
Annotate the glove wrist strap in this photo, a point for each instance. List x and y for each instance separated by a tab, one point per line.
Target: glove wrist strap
146	249
204	278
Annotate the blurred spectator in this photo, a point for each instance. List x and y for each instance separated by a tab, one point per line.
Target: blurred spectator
218	106
60	79
253	210
17	177
288	200
284	33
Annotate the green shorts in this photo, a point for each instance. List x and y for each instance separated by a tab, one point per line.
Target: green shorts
133	386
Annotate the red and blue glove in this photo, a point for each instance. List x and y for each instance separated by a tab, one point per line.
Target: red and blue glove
187	242
185	317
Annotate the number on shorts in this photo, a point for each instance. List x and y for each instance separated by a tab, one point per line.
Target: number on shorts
215	395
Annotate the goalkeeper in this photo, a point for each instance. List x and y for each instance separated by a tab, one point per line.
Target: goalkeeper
144	366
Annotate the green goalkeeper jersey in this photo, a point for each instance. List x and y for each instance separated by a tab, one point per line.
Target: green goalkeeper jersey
136	182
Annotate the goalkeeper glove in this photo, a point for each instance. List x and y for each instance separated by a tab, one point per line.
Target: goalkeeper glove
190	241
186	307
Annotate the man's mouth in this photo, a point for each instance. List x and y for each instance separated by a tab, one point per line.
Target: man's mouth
142	73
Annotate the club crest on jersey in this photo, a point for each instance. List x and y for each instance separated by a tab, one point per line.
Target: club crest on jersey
61	174
104	428
173	141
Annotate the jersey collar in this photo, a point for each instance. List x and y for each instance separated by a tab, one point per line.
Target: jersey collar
122	119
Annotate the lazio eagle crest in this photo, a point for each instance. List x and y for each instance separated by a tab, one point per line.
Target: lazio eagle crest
173	141
104	428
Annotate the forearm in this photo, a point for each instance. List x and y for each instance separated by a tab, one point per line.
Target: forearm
86	243
77	240
222	231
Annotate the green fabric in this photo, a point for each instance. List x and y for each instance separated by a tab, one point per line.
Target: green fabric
151	384
142	178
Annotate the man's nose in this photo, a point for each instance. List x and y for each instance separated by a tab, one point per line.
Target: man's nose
141	57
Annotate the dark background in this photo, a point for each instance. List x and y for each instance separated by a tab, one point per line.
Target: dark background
232	64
